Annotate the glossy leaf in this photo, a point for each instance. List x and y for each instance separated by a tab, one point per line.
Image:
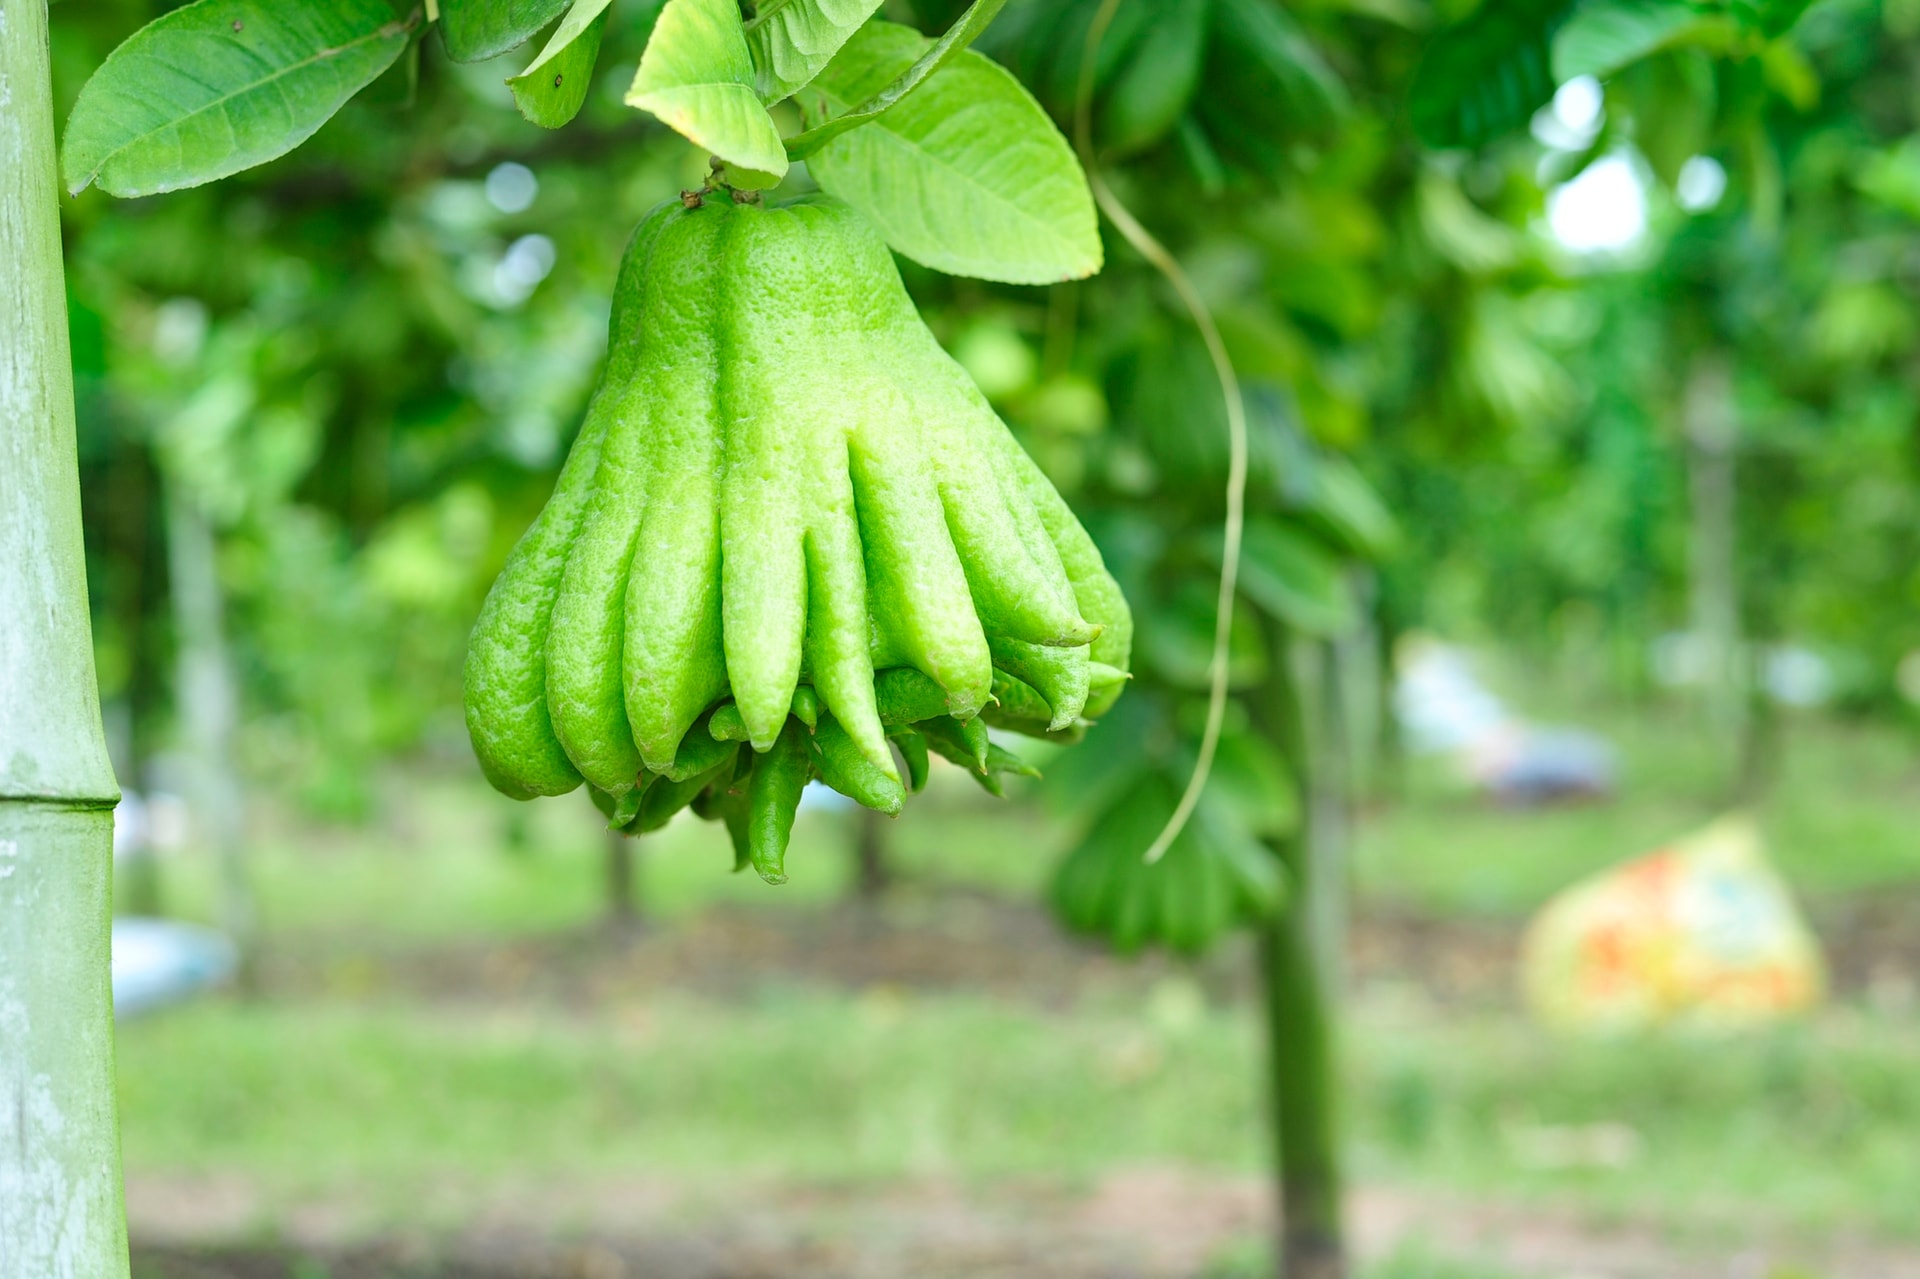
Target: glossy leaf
793	42
554	86
697	77
962	33
967	175
475	30
220	86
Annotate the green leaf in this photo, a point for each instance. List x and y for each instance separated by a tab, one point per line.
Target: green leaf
1487	75
967	175
554	86
1602	36
961	34
220	86
476	30
697	77
792	42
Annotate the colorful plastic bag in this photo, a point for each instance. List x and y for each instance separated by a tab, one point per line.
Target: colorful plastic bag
1703	930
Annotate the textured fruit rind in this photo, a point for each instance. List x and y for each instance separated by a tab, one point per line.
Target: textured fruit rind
783	485
505	677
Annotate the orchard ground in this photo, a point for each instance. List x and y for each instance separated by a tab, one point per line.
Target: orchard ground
454	1067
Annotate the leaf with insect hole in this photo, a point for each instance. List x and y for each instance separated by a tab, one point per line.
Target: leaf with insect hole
554	86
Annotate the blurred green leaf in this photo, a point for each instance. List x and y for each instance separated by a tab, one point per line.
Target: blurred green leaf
1771	18
1155	87
1350	511
1602	36
1265	87
1251	777
1215	876
1488	75
1294	578
1460	232
1790	75
1175	639
1891	177
220	86
1675	87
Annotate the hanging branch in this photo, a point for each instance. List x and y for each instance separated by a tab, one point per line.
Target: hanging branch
1157	255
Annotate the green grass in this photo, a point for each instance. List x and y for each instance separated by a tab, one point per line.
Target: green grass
791	1086
1814	1128
452	859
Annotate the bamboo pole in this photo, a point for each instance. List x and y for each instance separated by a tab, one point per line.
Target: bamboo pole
61	1211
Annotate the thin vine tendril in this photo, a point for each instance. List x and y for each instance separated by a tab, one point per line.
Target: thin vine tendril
1163	261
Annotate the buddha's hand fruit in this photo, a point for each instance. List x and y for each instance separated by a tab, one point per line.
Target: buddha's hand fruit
783	486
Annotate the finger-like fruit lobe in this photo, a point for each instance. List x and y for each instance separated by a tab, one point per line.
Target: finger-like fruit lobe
793	526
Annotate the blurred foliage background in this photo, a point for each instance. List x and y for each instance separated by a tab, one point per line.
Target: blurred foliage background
362	363
1503	335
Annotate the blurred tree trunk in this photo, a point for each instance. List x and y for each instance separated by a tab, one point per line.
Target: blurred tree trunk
1362	687
623	910
1387	776
1711	433
118	529
872	875
61	1210
1300	954
207	698
140	889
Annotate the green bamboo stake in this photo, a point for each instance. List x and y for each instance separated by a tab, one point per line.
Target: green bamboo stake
61	1211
